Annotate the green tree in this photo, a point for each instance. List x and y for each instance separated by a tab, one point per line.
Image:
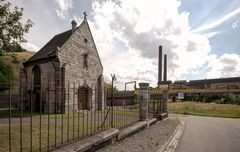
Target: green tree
5	73
11	28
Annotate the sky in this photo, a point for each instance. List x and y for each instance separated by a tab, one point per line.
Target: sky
201	38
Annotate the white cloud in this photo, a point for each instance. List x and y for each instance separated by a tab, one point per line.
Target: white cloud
236	24
78	19
64	6
217	22
128	33
227	65
30	47
211	34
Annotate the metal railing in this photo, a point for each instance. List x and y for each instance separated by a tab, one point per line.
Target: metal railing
42	119
45	117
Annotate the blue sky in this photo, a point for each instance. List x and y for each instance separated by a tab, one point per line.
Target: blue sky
204	12
200	37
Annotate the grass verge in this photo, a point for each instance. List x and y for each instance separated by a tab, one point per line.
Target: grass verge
205	109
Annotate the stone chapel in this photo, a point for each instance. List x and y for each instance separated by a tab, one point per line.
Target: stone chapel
66	74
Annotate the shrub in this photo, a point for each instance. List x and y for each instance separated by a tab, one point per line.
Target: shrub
2	53
230	98
5	73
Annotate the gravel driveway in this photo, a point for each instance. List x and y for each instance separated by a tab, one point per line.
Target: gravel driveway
147	140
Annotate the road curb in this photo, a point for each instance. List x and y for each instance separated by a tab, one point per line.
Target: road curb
171	144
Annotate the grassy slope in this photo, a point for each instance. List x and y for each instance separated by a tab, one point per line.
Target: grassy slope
21	56
205	109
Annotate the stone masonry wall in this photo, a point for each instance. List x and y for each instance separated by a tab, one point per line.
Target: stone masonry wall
47	76
72	53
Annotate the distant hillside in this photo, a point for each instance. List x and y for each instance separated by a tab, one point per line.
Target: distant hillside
15	61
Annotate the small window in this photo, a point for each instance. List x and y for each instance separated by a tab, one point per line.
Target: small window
85	61
85	40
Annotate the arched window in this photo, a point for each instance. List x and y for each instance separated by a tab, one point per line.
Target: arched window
36	77
36	94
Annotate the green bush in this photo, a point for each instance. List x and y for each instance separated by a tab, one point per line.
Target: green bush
189	98
2	53
5	73
229	98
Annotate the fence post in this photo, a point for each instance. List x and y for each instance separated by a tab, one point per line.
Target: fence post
144	98
114	78
10	115
165	102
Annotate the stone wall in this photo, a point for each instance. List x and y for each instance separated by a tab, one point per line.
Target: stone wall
47	79
72	54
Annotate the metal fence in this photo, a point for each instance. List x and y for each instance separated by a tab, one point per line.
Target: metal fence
38	120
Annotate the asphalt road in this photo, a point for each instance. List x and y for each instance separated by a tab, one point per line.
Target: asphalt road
209	134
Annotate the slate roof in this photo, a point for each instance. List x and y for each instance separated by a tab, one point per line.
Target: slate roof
49	50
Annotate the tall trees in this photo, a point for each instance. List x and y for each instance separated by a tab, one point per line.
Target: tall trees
11	28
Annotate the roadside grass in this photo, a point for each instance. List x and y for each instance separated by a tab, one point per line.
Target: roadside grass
15	113
205	109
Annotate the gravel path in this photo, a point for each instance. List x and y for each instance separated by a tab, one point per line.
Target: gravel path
147	140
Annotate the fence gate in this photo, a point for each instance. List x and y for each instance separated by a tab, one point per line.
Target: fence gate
122	109
157	103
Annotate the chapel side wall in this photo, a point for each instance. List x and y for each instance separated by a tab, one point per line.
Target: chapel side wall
47	76
72	54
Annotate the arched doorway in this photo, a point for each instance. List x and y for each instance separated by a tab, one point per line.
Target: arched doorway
84	98
36	88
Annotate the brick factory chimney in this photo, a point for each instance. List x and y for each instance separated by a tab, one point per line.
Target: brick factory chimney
74	25
160	65
165	68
